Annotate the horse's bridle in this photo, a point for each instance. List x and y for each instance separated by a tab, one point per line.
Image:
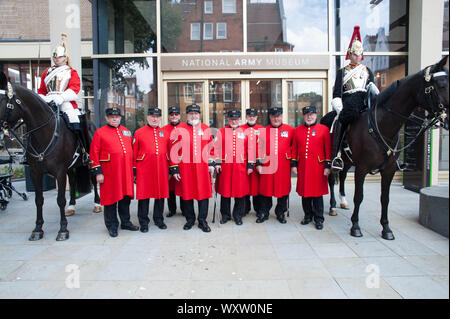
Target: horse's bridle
433	99
12	100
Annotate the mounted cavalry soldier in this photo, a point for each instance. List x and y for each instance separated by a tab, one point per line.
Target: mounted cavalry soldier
60	84
353	82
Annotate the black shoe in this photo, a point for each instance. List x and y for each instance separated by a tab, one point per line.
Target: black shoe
281	219
225	219
113	232
204	226
170	214
306	221
319	225
238	221
161	226
129	226
262	218
188	226
144	229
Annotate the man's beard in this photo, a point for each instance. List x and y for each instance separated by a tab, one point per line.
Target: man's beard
194	122
251	122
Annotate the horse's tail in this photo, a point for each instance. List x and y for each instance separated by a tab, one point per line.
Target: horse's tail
328	119
82	179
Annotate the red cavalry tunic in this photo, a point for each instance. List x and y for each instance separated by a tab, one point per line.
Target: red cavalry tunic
168	129
195	147
112	155
253	134
67	80
150	148
311	148
275	179
232	145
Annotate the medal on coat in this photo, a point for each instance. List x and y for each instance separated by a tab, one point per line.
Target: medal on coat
313	133
161	134
126	133
200	132
284	134
241	136
256	132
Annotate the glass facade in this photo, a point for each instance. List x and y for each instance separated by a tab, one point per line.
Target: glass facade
129	84
183	94
287	26
223	96
303	93
265	94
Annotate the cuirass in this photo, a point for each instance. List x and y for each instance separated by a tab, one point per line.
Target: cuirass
358	80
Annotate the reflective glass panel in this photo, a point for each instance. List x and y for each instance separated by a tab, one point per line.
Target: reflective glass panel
183	94
201	26
303	93
383	23
126	26
287	25
263	95
129	84
445	28
223	96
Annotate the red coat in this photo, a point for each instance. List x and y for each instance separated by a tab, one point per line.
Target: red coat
69	80
168	131
253	134
275	179
150	147
311	148
232	146
112	155
194	147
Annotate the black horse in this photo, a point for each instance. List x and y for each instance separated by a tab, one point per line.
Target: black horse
50	148
374	138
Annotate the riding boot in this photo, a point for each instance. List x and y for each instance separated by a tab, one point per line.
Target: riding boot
337	164
84	153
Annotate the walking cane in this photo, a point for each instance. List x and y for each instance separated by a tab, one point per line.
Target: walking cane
215	196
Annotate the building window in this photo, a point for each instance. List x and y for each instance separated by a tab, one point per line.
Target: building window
278	49
228	6
188	92
228	92
208	33
278	92
208	7
195	31
221	31
383	80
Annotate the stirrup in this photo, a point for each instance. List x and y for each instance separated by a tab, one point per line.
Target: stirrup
337	164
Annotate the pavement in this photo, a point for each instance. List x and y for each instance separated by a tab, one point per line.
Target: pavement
268	260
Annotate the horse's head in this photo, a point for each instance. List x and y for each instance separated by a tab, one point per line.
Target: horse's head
435	98
11	109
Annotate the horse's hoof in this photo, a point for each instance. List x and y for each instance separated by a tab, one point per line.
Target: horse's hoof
333	212
62	236
70	212
97	209
387	235
36	235
356	232
344	206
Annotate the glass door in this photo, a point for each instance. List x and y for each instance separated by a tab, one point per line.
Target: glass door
183	94
301	93
224	95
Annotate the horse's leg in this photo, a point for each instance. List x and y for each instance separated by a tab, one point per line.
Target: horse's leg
97	207
63	233
71	209
332	198
357	199
342	177
36	177
386	180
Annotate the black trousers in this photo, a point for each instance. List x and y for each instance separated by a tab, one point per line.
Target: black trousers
158	209
187	207
313	208
110	214
172	202
266	205
238	209
256	204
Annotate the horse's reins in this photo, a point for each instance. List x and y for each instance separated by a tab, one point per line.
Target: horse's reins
10	107
425	123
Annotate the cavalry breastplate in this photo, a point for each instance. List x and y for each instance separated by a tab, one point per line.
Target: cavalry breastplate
355	79
59	82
